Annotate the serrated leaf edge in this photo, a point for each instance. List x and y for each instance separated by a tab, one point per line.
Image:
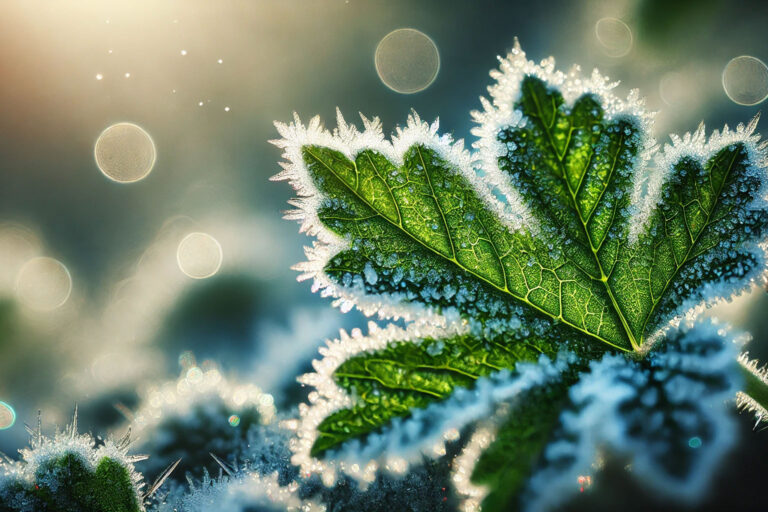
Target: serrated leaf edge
328	397
498	112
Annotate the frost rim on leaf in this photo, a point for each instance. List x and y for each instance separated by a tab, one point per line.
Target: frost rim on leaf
600	423
499	112
348	140
328	398
43	449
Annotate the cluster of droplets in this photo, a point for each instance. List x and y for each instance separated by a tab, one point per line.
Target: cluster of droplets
500	113
738	260
416	279
521	155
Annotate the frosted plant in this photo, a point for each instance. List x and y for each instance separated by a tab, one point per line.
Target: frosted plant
70	471
241	493
754	398
666	413
202	412
567	234
424	488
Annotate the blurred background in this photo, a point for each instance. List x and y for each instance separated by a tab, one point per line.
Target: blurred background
118	267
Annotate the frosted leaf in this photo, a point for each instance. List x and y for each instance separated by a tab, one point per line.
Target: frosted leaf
667	415
754	396
565	229
71	471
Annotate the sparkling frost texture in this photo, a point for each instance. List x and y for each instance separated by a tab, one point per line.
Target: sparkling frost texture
597	419
188	418
667	415
266	457
36	470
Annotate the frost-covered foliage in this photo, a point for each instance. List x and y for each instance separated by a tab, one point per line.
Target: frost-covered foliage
667	415
245	492
202	412
568	234
424	488
72	472
754	398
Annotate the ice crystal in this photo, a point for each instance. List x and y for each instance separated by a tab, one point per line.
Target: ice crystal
753	398
424	488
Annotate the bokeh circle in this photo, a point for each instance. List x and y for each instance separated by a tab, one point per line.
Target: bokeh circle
745	80
199	255
407	60
125	153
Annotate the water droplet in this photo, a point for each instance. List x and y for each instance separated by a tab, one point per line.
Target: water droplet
125	153
234	420
745	80
407	60
199	255
694	442
614	36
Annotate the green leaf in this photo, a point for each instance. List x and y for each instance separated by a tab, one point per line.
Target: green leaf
391	382
506	464
567	230
422	222
754	397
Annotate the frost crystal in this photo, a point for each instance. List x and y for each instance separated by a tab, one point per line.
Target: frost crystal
757	382
242	493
